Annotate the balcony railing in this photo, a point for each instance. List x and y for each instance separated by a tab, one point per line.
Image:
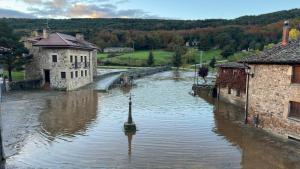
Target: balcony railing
80	65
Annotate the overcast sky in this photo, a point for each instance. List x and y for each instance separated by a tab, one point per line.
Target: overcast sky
167	9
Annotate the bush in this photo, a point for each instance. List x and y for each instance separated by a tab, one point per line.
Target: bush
203	72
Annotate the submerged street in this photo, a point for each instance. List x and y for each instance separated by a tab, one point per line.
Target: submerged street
84	129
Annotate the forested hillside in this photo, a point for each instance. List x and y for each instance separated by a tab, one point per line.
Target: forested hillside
228	35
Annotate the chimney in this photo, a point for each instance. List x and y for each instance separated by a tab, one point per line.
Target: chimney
285	34
80	37
45	34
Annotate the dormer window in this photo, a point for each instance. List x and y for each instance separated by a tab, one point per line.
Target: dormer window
296	74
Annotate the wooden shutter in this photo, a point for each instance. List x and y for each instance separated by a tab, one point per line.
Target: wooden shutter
295	110
296	74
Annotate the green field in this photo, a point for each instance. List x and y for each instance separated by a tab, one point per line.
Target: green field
138	58
208	55
16	75
161	57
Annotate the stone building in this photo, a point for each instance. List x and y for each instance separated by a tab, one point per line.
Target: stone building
62	61
231	83
274	88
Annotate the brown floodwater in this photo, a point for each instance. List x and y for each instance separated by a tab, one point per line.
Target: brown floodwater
84	129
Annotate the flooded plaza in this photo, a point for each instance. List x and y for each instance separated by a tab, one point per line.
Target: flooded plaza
84	129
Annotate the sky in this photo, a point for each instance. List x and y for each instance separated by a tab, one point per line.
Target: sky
147	9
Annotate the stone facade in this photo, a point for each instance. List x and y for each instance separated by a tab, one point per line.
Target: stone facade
270	93
43	61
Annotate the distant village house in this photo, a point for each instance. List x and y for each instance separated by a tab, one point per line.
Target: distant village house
231	82
62	61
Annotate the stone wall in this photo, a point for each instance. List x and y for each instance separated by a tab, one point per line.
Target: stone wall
32	69
270	92
24	85
94	57
233	98
43	60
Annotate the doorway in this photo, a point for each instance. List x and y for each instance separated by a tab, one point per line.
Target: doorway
47	76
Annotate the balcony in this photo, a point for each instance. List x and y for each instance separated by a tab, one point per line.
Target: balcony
79	65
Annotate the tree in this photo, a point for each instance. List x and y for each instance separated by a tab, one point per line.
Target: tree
294	34
190	55
13	54
213	62
227	51
203	72
150	60
177	60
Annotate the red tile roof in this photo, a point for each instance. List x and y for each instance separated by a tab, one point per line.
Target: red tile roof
63	40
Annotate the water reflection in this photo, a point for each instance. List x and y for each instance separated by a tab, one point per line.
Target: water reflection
69	114
129	135
177	75
259	149
126	89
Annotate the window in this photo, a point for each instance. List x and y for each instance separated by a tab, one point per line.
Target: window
229	90
76	74
54	58
71	58
296	74
76	64
81	73
63	75
85	61
81	58
294	110
72	75
85	72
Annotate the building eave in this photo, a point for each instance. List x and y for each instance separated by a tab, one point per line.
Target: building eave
65	46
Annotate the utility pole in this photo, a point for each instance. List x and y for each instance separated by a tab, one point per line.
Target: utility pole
247	97
195	70
2	158
133	45
201	55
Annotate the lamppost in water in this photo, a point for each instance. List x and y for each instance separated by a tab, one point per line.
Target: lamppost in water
129	126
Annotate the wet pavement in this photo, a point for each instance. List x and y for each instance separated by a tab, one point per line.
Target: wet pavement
83	129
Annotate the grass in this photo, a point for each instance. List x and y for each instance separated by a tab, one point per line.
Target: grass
138	58
208	55
240	55
16	75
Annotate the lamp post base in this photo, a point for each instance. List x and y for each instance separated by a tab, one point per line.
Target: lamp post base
129	127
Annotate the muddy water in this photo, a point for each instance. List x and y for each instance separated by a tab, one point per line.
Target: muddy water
83	129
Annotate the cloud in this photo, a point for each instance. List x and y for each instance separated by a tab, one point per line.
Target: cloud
83	9
122	1
8	13
72	9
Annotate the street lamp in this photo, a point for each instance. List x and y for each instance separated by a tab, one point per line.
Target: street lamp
248	73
